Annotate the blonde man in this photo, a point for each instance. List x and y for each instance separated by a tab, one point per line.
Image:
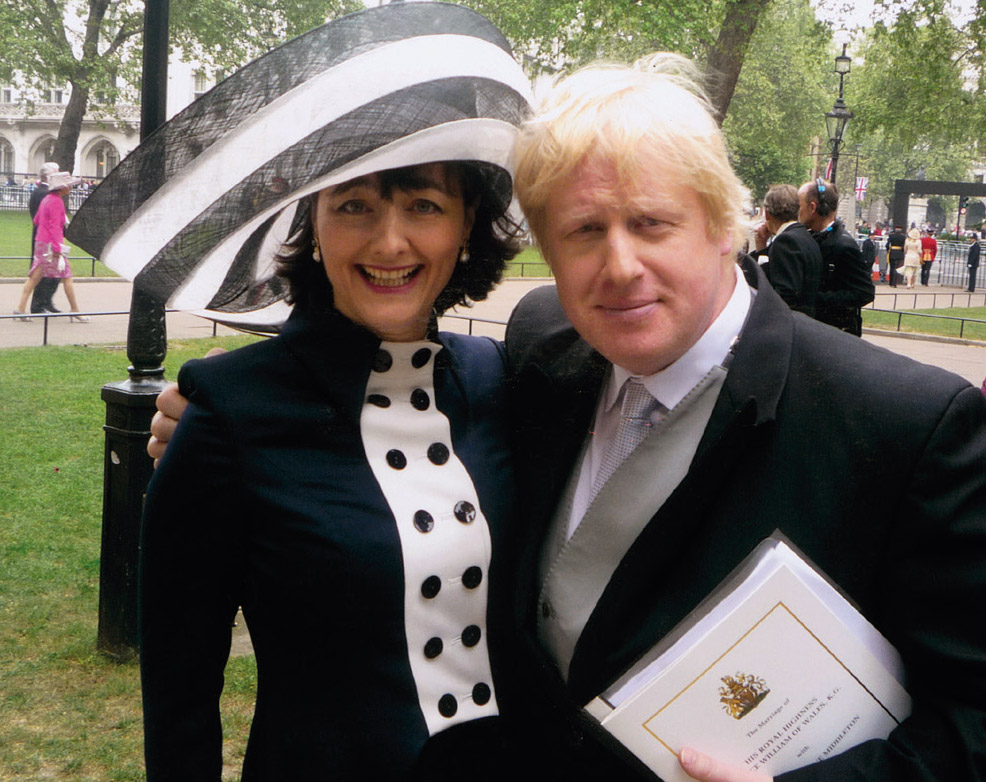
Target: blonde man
758	419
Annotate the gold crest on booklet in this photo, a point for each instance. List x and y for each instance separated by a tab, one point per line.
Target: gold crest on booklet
742	694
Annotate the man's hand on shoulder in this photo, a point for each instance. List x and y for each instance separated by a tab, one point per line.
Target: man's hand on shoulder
705	769
170	405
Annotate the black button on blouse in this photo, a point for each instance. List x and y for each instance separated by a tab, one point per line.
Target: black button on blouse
420	358
379	400
465	512
431	586
424	521
471	635
433	648
438	453
420	399
382	361
447	705
472	577
481	694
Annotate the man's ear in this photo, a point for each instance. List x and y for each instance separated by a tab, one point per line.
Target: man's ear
726	244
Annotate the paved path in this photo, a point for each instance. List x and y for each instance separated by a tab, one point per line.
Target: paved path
965	359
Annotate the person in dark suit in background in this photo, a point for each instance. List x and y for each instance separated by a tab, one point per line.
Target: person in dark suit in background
895	254
44	291
794	262
759	420
973	264
847	283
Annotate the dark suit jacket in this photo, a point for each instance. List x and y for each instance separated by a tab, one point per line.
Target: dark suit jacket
847	280
895	248
265	499
794	268
889	500
973	260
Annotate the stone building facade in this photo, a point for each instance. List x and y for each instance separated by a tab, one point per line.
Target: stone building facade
28	129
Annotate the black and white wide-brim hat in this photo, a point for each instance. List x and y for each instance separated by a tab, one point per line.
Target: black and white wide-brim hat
196	214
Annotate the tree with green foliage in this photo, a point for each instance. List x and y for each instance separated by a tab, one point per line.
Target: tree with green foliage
560	34
93	45
918	96
783	92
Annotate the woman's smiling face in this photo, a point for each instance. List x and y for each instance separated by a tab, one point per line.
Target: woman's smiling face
389	243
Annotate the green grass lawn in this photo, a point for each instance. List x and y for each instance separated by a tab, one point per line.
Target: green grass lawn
15	242
66	712
528	264
912	322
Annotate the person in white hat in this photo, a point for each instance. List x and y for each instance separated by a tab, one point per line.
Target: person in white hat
50	250
41	299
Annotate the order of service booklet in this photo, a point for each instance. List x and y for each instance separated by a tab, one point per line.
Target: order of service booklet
773	671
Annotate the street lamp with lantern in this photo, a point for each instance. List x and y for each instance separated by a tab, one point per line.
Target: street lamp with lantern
837	119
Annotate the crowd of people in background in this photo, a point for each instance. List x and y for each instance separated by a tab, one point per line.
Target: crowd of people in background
832	276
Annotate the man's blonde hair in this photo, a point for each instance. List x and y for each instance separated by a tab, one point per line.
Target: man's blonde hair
631	117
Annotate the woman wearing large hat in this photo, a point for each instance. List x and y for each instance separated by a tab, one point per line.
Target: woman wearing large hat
346	482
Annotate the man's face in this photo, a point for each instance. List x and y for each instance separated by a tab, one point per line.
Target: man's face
637	272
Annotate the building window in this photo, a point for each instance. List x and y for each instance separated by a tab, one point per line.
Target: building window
47	150
52	95
6	158
200	85
107	159
6	95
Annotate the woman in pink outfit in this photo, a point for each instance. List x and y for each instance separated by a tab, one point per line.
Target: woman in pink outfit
50	250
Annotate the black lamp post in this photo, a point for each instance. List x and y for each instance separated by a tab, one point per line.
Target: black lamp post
837	119
130	403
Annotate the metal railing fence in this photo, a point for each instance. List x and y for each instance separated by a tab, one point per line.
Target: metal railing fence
46	317
949	267
16	197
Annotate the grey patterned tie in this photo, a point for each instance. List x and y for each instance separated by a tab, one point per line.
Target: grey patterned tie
634	426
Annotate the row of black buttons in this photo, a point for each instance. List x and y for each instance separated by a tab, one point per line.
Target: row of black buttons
464	511
471	578
438	454
470	637
448	705
383	361
419	399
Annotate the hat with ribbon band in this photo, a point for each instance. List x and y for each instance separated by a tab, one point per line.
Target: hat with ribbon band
196	214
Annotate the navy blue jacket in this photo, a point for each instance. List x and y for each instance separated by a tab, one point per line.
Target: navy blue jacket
265	500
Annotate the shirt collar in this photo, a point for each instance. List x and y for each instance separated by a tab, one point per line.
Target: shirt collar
670	385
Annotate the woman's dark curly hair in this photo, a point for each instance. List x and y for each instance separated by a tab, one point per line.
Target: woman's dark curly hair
492	242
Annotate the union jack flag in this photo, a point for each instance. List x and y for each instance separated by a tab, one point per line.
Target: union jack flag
861	183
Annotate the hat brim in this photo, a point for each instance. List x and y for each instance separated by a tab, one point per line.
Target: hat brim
197	212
